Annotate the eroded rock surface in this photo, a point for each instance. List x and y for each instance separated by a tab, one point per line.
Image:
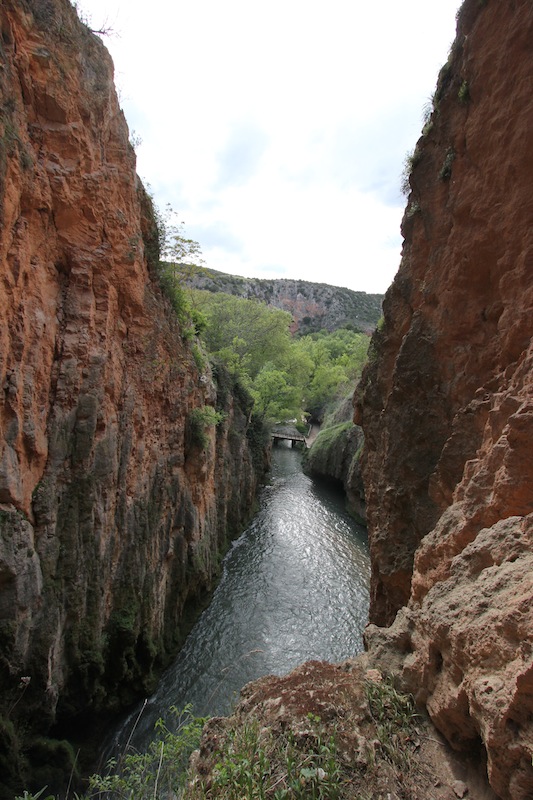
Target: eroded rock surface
447	407
332	730
112	516
335	456
313	306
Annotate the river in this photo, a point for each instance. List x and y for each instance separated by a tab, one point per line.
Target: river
294	587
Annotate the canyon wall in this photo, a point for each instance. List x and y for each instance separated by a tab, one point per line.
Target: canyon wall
335	456
116	494
446	406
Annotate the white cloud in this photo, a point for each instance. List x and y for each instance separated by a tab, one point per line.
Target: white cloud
279	130
239	158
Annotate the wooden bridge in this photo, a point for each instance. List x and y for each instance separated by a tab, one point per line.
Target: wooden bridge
288	433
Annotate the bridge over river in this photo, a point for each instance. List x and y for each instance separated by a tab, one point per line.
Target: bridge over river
290	433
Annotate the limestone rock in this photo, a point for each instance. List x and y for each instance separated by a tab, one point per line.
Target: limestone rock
313	306
335	456
321	708
447	407
112	518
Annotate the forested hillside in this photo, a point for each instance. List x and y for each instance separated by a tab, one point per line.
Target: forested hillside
313	306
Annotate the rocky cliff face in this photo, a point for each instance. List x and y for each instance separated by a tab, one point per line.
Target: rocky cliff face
335	456
447	406
116	495
313	306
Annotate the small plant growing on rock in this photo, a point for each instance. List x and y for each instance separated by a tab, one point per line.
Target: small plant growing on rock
200	421
394	716
446	169
464	93
410	162
254	763
427	114
158	772
412	209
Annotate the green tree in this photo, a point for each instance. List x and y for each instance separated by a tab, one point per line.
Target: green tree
275	395
245	334
325	386
179	258
286	375
337	360
175	246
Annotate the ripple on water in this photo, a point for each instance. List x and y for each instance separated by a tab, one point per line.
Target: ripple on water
294	587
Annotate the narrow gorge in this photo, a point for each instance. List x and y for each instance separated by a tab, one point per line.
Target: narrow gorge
118	494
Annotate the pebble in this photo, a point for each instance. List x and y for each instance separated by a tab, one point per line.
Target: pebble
460	789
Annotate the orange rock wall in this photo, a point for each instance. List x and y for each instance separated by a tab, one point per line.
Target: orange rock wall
447	405
111	517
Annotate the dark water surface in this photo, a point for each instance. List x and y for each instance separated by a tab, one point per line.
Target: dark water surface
294	587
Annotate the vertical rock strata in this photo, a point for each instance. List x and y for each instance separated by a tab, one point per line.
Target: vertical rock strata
112	515
447	406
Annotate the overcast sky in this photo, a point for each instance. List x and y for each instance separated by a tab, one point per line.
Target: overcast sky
278	130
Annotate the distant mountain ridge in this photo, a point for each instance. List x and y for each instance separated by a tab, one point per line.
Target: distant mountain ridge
314	306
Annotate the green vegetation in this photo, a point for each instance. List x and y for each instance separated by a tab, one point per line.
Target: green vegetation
330	437
368	750
286	376
192	323
159	772
410	162
335	306
170	253
257	764
337	362
336	451
446	169
200	421
427	115
244	334
253	764
464	92
395	717
412	209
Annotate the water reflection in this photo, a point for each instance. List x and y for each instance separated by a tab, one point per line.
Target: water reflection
294	587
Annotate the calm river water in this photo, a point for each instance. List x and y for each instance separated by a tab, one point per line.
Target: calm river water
294	587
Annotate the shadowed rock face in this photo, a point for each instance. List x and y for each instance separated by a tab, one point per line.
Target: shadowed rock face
112	516
447	405
335	456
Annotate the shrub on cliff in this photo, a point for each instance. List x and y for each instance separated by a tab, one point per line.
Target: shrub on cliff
159	772
200	422
171	255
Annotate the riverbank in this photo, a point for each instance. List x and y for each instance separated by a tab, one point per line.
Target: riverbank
294	587
330	730
335	456
313	433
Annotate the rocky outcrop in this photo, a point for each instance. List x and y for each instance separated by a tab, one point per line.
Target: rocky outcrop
330	730
447	407
335	456
313	306
117	491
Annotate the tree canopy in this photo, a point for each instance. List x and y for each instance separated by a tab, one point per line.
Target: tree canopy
286	376
245	333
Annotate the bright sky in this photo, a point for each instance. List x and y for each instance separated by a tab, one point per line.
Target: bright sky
278	130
